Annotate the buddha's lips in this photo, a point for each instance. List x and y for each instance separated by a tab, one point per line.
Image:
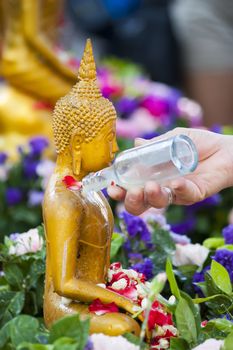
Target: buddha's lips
71	183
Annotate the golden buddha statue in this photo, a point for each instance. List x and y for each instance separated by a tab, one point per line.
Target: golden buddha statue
31	69
79	228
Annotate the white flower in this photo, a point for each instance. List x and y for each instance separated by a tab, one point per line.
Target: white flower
172	300
28	242
105	342
120	284
132	274
142	290
190	254
45	169
163	344
210	344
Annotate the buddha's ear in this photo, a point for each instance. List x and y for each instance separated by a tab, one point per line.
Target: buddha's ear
76	141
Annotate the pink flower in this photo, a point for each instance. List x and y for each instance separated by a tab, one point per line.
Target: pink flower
157	106
105	342
100	308
141	122
28	242
190	110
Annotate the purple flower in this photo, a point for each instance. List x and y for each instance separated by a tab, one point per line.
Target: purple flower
89	345
126	105
136	227
156	105
37	145
35	198
135	257
150	135
3	157
13	195
208	202
199	277
225	258
145	267
180	239
185	226
227	233
29	167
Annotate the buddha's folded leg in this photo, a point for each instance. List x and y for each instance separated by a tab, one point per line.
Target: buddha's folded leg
112	324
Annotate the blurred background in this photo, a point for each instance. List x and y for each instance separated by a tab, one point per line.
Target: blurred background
163	63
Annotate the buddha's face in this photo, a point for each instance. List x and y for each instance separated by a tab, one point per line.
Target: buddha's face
100	152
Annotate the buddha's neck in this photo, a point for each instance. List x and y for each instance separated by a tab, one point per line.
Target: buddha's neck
64	166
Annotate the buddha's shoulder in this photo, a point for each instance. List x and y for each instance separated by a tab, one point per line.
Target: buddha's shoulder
57	194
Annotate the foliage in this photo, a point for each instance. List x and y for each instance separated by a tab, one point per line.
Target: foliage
21	283
21	188
25	332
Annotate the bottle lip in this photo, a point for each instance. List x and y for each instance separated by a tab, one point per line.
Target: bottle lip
184	168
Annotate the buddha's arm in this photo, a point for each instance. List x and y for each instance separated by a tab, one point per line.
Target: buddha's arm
38	42
62	236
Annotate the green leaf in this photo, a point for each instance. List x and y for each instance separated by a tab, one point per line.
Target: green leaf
210	298
13	275
30	346
226	246
164	247
213	243
11	304
195	310
211	287
172	280
135	340
221	277
179	344
66	343
185	322
117	241
228	342
23	329
223	325
72	327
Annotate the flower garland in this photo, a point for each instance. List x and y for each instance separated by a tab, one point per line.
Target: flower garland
133	285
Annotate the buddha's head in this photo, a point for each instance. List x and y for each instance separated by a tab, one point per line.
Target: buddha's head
84	122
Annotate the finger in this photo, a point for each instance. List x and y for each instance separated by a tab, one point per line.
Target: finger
134	201
116	192
186	191
155	195
139	142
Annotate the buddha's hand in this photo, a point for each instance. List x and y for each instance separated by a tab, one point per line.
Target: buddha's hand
132	308
213	173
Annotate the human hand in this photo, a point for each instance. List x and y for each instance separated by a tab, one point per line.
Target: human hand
213	173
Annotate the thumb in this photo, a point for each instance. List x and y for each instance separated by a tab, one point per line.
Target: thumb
139	142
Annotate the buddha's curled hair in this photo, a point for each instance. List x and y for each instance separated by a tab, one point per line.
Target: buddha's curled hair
83	109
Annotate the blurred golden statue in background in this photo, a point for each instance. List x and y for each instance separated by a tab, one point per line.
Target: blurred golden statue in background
30	67
79	228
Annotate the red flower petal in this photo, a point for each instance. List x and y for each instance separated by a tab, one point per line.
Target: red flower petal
129	292
100	308
115	266
70	182
118	276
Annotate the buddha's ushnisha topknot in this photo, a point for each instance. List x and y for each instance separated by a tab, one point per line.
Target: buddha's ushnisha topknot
87	68
83	110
